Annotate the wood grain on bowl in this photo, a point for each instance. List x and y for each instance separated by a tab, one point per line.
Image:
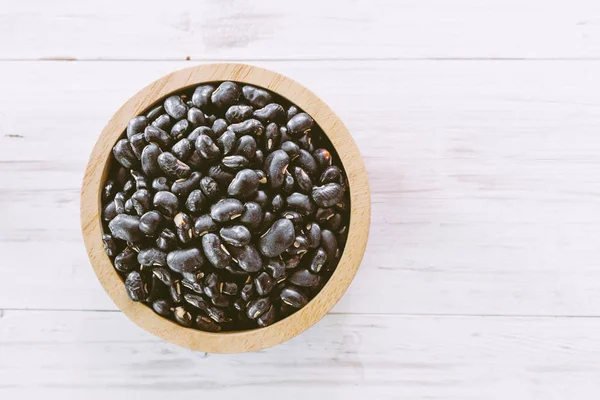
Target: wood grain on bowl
229	342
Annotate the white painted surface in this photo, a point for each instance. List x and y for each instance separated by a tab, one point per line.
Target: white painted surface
481	279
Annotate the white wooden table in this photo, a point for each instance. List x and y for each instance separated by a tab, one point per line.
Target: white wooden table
479	123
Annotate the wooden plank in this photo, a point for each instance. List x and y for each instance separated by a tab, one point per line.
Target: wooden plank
69	353
267	30
483	177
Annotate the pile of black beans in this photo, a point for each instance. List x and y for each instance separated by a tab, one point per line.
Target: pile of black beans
225	208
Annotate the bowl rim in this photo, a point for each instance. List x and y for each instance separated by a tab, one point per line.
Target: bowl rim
238	341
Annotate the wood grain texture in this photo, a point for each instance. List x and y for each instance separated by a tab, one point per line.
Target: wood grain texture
358	230
71	355
483	177
267	30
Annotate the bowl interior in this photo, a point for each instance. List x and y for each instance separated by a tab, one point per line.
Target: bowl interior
345	150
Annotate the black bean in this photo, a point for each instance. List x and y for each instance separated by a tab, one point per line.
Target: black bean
248	127
150	222
201	96
219	126
272	137
160	183
257	97
175	292
323	214
323	158
226	142
166	240
304	278
327	195
293	110
175	107
246	146
129	207
263	284
162	307
277	203
305	142
210	188
201	130
244	185
119	201
183	226
289	183
235	235
136	125
195	201
166	202
180	129
330	175
126	227
152	256
267	221
285	135
307	162
188	260
230	288
149	160
129	187
303	180
215	251
141	182
222	175
183	317
259	159
173	167
182	187
204	224
217	315
196	301
300	245
299	123
221	300
138	142
225	95
195	160
124	154
267	318
207	147
163	275
277	239
329	244
247	257
261	198
110	247
252	215
276	268
301	203
334	223
110	188
162	122
294	216
235	162
156	135
196	117
247	292
155	112
270	112
136	289
258	307
275	167
141	200
293	297
193	286
126	260
313	234
226	210
182	149
206	324
238	113
318	259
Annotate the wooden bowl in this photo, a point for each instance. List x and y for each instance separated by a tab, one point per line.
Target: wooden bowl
241	341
